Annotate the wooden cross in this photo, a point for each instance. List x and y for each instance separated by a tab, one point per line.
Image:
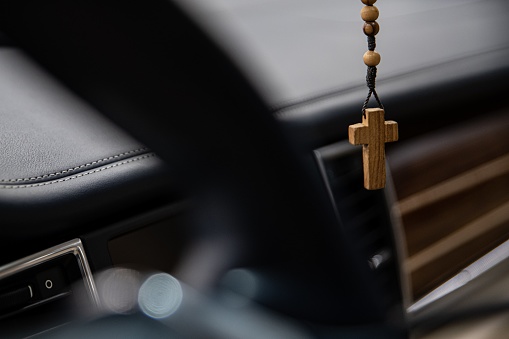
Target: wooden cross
373	133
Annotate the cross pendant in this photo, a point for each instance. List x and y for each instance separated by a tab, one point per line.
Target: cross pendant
372	134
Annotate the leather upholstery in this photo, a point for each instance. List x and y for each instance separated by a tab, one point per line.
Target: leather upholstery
45	129
60	159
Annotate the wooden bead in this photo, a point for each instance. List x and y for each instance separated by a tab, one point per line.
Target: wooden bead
369	13
371	58
371	28
368	2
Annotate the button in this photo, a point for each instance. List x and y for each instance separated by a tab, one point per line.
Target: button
52	282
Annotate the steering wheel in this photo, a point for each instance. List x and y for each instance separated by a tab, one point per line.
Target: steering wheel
152	70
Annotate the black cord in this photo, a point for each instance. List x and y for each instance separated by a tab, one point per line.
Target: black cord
371	79
371	43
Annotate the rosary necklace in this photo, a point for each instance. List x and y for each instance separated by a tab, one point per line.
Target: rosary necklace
374	131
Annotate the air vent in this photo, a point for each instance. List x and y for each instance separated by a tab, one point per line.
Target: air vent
363	214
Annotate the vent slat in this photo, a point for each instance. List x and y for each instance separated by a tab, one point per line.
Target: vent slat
364	216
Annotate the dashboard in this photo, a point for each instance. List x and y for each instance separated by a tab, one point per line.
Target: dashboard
207	140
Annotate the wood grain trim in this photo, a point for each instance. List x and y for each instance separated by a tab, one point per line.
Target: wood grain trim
463	182
467	233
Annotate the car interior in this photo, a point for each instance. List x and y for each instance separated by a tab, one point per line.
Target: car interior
181	169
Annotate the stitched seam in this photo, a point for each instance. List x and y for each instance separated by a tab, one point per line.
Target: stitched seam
81	174
45	176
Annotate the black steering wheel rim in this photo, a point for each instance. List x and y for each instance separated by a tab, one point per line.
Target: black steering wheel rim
155	72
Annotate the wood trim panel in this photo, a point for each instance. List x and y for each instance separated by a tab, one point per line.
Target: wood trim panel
453	198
